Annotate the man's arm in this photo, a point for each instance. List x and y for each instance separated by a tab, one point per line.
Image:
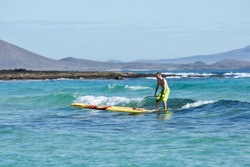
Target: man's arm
156	88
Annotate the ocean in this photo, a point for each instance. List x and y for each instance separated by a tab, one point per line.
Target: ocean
208	122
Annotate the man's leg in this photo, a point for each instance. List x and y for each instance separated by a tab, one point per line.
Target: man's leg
156	105
164	104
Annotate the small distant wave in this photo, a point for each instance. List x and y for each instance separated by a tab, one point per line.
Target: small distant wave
237	75
113	87
153	78
137	87
128	87
204	75
109	101
189	75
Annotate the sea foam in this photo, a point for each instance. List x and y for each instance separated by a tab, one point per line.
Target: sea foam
104	100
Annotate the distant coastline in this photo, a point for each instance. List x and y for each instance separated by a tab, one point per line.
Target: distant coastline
22	74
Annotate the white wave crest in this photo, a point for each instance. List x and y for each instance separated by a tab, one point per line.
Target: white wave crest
185	75
237	75
103	100
111	86
137	87
153	78
129	87
196	104
188	75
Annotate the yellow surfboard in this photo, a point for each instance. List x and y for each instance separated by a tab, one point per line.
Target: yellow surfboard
112	108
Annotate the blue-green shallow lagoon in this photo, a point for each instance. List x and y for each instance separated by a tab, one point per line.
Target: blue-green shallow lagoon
207	125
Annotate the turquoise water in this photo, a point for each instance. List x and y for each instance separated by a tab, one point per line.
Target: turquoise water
207	125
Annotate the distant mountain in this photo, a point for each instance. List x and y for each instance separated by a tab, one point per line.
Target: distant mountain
114	61
242	54
14	57
221	65
231	64
83	64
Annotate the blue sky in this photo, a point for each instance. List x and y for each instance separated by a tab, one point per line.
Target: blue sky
125	30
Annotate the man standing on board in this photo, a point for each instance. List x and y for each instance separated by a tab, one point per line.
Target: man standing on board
163	95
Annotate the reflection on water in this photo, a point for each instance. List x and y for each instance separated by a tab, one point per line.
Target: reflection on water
164	114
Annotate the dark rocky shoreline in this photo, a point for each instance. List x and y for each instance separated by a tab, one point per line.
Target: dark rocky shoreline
22	74
41	75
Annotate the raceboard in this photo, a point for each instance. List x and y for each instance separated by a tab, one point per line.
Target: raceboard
112	108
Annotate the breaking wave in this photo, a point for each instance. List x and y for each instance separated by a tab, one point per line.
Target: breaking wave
205	75
174	104
109	101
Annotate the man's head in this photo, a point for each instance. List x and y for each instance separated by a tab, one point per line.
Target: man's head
158	75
